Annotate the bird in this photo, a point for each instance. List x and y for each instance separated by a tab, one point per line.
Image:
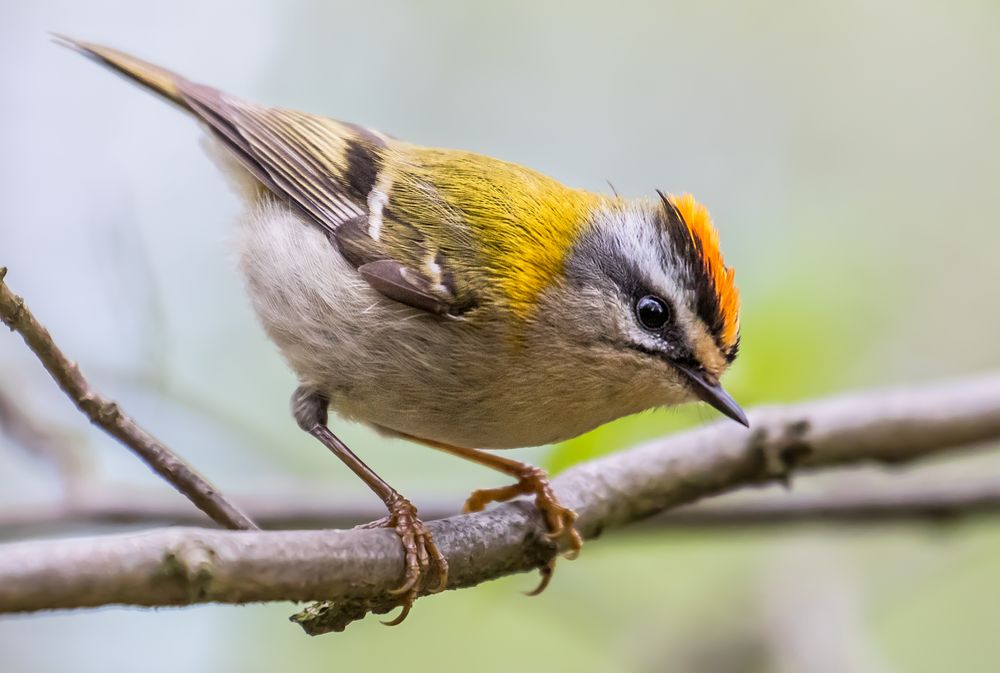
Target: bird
457	300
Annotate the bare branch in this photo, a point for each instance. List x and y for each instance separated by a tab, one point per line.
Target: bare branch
108	416
911	505
358	568
297	511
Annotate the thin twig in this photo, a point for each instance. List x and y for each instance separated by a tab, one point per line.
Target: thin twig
108	416
357	569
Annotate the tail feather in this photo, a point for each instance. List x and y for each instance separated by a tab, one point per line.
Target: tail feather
158	80
205	103
292	155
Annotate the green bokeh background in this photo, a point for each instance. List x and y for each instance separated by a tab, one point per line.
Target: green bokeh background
849	153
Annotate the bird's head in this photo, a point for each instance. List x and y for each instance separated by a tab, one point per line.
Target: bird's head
652	298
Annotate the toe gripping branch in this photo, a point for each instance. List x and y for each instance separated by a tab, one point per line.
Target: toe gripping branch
421	556
420	553
559	520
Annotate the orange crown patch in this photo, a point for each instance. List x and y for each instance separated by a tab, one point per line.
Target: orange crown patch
706	241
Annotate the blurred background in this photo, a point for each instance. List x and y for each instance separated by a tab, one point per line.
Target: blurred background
849	153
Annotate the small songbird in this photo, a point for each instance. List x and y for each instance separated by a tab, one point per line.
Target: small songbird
457	300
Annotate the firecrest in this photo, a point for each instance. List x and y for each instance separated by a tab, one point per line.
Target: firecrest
457	300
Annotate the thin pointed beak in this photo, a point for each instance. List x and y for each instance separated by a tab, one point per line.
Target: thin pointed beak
714	394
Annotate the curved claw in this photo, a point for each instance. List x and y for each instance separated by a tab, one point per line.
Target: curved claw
419	553
559	520
575	545
556	531
561	525
441	585
442	566
402	613
406	587
546	572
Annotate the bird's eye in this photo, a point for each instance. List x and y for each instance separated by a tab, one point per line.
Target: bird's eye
652	312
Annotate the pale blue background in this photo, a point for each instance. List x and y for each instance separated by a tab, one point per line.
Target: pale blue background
849	153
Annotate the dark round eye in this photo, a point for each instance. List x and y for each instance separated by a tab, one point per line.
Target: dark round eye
652	312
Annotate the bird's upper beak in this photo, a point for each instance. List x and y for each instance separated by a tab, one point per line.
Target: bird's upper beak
711	391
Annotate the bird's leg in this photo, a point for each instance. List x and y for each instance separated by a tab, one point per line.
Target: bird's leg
310	410
531	480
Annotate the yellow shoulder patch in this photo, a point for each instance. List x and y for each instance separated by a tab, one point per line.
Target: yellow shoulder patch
523	223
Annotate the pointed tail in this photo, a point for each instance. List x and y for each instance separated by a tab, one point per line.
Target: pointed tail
158	80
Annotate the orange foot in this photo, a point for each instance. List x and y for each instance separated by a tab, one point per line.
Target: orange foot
558	519
420	553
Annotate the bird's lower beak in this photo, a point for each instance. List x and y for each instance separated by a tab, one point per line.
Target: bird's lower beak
710	391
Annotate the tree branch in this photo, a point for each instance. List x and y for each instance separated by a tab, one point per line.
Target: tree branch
922	503
107	415
356	569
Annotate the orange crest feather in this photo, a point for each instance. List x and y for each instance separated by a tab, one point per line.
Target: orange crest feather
706	239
